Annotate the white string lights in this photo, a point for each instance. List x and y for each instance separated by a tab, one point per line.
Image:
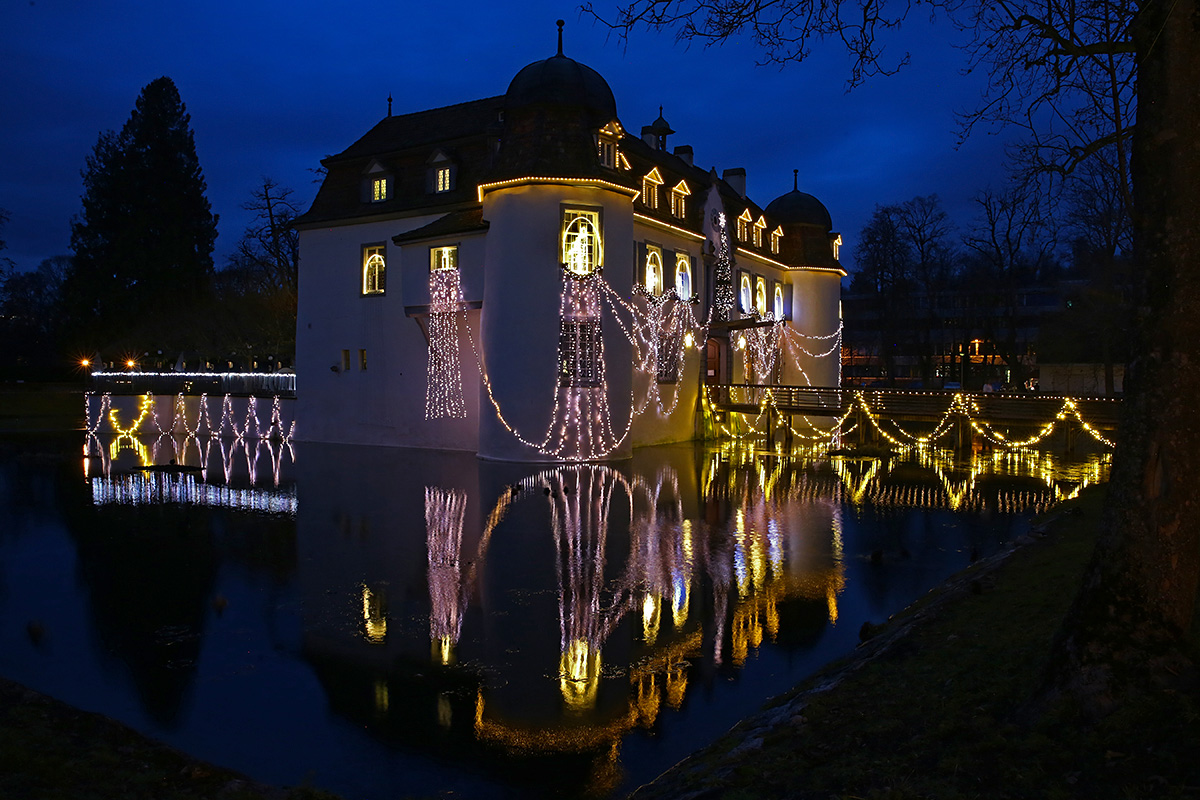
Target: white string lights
227	425
444	389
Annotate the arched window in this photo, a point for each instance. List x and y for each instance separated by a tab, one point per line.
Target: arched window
683	276
374	271
778	302
760	297
654	270
582	247
746	297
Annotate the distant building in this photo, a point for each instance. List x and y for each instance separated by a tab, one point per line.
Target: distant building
522	277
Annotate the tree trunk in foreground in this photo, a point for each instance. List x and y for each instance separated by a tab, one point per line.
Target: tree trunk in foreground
1138	600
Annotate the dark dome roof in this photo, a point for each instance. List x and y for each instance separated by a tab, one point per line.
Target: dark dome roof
562	81
799	207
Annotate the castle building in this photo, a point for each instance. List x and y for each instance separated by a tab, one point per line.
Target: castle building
522	277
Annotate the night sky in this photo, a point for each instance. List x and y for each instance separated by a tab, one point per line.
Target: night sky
273	87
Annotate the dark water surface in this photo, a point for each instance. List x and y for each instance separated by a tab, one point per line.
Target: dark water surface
384	623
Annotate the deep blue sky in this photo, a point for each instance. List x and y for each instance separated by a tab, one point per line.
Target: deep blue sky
272	87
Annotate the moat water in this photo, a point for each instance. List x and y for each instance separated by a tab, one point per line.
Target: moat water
384	623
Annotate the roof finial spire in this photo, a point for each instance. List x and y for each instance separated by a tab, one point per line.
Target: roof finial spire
389	104
795	180
660	111
560	27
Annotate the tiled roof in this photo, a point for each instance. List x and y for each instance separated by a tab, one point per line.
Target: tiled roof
467	221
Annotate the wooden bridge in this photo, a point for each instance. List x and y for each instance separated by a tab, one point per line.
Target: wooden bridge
993	415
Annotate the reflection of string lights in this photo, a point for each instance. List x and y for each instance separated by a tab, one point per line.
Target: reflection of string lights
444	512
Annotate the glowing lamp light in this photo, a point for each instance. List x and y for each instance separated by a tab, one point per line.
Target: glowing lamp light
741	343
688	339
85	362
130	363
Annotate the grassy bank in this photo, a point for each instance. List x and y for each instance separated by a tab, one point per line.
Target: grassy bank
35	407
930	708
51	750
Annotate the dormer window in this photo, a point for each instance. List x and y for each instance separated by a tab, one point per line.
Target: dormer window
650	185
776	237
443	173
379	190
759	226
679	196
377	183
743	225
606	145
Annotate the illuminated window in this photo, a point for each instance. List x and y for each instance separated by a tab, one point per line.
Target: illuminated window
743	225
582	246
683	276
776	237
443	258
379	190
760	296
606	145
579	352
650	185
759	227
374	270
654	270
362	359
443	182
745	294
679	196
345	361
778	302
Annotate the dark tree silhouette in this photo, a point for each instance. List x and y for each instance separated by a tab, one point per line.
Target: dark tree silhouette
143	242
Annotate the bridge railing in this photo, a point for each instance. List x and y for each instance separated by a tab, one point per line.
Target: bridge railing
259	384
930	405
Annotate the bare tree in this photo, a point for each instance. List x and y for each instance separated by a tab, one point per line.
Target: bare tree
1072	74
270	248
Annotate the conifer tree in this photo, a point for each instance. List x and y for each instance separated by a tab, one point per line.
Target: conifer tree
143	243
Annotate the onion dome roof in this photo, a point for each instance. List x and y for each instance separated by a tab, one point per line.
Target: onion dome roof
799	207
562	81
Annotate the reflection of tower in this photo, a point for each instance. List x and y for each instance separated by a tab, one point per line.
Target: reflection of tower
444	511
580	499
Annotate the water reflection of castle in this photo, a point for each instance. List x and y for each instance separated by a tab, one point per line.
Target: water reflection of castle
485	609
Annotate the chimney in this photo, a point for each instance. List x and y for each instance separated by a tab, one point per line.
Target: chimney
736	178
684	151
649	136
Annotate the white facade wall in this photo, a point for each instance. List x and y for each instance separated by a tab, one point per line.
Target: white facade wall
384	403
520	317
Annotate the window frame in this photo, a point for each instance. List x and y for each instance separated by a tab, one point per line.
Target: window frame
682	258
596	213
443	248
653	253
370	251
